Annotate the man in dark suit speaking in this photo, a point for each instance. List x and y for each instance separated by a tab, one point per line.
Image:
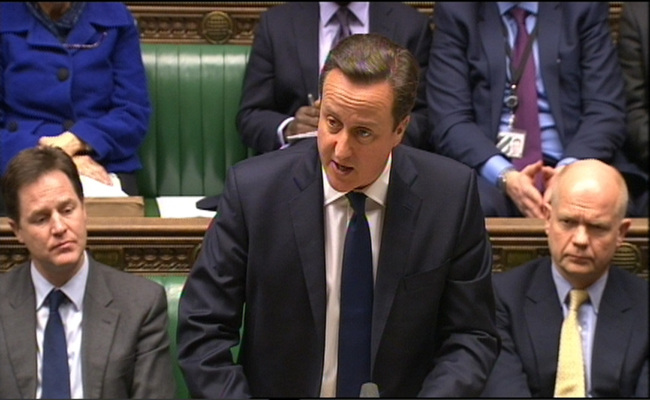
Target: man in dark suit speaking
71	327
402	299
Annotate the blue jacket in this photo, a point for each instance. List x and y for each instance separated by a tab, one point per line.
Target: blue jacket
100	94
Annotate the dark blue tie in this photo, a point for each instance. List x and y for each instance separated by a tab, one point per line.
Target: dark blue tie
56	373
356	303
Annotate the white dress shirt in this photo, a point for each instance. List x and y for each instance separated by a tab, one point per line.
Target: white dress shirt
337	214
71	316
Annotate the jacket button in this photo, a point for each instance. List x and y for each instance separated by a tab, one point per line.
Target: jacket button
12	126
67	124
63	74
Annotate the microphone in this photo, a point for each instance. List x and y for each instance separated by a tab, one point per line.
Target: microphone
369	390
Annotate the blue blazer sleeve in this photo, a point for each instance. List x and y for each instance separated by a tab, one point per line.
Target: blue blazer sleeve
98	93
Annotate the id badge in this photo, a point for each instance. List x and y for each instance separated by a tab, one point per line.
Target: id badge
512	142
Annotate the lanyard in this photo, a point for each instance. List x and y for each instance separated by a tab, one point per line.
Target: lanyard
516	72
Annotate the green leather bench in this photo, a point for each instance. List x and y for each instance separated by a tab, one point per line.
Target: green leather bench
192	139
173	285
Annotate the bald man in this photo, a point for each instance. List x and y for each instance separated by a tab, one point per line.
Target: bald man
585	225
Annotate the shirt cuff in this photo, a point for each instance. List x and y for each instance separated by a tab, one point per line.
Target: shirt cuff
493	167
280	131
566	161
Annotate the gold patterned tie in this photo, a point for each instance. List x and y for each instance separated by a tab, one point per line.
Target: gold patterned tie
570	379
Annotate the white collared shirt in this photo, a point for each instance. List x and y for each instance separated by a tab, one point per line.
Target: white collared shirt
337	215
71	316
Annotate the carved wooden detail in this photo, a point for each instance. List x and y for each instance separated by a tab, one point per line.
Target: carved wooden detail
233	22
198	22
168	246
518	240
146	246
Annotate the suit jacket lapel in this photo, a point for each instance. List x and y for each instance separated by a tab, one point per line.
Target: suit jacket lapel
402	209
548	38
307	44
21	335
613	330
491	34
99	323
544	332
308	224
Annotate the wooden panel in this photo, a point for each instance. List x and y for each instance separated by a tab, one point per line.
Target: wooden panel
517	240
231	22
165	246
169	246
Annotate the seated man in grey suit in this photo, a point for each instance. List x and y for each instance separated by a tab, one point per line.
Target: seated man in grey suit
109	337
585	225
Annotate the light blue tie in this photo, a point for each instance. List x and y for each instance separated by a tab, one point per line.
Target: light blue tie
56	373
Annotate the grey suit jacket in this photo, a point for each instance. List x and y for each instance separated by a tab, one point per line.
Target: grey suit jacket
529	318
432	325
125	345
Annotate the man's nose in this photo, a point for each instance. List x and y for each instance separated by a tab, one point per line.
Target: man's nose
580	236
343	145
57	224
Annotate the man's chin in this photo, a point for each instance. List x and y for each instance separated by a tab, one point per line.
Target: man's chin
579	271
340	183
67	261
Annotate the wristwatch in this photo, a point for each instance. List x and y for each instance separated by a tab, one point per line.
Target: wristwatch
501	180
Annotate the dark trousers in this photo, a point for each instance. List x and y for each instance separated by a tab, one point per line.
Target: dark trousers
129	183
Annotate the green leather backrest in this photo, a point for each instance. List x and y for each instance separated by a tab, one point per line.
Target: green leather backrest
195	91
173	287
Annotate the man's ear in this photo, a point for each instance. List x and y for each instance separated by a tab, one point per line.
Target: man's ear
400	131
15	227
622	231
546	210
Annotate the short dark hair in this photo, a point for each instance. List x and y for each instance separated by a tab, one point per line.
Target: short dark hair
29	166
372	58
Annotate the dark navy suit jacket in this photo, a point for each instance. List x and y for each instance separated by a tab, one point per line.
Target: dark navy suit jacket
432	326
529	319
283	67
578	63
